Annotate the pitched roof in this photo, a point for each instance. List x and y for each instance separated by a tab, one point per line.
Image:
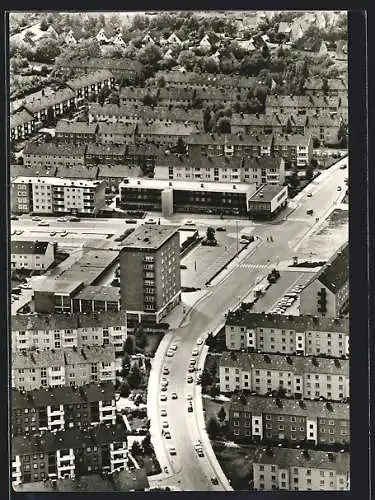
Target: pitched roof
77	172
333	83
335	274
302	101
300	323
89	79
173	129
29	247
292	139
201	161
38	359
143	150
94	63
106	149
261	120
45	101
67	127
119	171
264	140
117	128
89	354
53	149
33	171
20	118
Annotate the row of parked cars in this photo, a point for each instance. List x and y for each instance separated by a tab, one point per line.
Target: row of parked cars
287	300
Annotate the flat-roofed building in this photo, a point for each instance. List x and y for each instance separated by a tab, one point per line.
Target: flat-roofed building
267	201
55	295
33	255
150	272
97	299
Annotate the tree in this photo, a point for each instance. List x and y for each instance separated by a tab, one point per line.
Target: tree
325	87
135	377
47	50
222	414
265	51
124	389
149	55
129	345
147	445
44	24
213	428
125	364
309	172
214	391
114	98
141	338
288	127
206	378
223	126
136	448
206	120
180	147
342	135
187	59
210	234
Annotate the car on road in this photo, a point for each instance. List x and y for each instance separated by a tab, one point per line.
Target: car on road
199	341
165	425
43	223
193	361
74	219
164	381
189	397
130	221
150	221
195	352
191	369
36	219
165	371
190	379
18	232
339	188
25	286
343	167
220	229
14	217
174	395
200	453
190	408
52	233
163	388
172	451
310	211
163	397
163	412
214	480
167	435
189	223
62	219
170	353
64	233
173	347
309	195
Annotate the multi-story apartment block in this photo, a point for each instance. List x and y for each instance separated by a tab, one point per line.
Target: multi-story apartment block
57	331
55	195
303	377
116	133
33	255
258	418
301	470
332	87
327	293
297	149
165	134
277	333
105	153
150	261
51	154
65	454
324	127
142	155
182	196
182	97
62	408
22	125
229	145
90	84
302	105
258	171
69	366
76	132
267	124
52	106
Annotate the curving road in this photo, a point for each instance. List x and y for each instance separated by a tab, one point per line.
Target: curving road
186	470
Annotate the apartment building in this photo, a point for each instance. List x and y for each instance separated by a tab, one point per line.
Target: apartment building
324	127
164	134
120	68
69	366
48	195
296	148
142	155
327	293
302	104
179	97
301	470
301	377
267	124
62	408
189	197
57	331
113	175
276	333
332	87
235	169
90	84
135	95
76	132
53	154
52	106
32	255
116	133
229	145
150	261
267	201
55	295
264	419
22	125
65	454
105	153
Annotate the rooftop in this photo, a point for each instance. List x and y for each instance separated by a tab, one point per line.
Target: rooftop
90	266
58	286
89	79
306	408
38	359
122	64
89	354
303	101
67	127
77	172
19	118
149	237
230	139
99	293
176	128
29	247
52	99
53	149
333	84
119	171
106	149
57	181
33	171
159	184
335	274
267	193
116	128
281	321
292	139
285	458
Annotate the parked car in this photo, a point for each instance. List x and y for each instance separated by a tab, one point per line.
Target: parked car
199	341
339	188
43	223
310	211
343	167
14	217
309	195
62	219
150	221
173	347
174	395
190	379
172	451
165	371
220	229
36	219
167	435
163	397
64	233
189	223
52	233
163	412
74	219
170	353
130	221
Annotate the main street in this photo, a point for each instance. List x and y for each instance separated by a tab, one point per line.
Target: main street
208	315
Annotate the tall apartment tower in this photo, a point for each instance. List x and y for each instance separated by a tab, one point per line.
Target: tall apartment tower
150	272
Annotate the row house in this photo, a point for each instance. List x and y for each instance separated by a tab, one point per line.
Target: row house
324	127
329	86
142	155
327	293
52	154
276	333
164	134
69	453
76	132
175	97
267	124
294	148
229	145
113	175
31	255
316	423
52	106
105	153
56	367
51	195
235	169
57	331
291	469
116	133
134	95
301	377
62	408
174	78
119	68
88	85
302	104
22	125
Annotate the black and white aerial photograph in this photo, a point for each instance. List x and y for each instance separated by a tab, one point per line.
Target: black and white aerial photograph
178	257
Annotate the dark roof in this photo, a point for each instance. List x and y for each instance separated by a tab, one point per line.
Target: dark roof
172	129
261	120
143	149
266	162
44	322
288	457
70	438
77	172
259	405
191	78
335	273
106	149
99	292
53	149
267	193
89	354
45	102
38	359
149	237
281	321
63	395
333	83
90	266
302	101
201	161
89	79
134	92
66	127
29	247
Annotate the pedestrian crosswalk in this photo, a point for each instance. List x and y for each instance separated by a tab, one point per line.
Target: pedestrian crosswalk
255	266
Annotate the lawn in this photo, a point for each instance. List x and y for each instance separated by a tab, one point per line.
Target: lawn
149	463
212	407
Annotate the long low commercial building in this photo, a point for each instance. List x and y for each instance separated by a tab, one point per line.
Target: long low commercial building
191	197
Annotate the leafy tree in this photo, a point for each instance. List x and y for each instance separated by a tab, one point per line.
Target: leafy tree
223	126
265	51
149	55
309	172
141	338
210	234
213	428
136	449
342	135
187	59
180	147
44	24
47	50
288	127
325	87
114	98
129	345
139	23
214	391
125	364
124	389
135	377
206	378
147	445
206	120
209	65
222	414
161	82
